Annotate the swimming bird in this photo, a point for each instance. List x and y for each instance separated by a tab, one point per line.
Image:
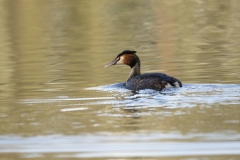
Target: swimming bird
137	81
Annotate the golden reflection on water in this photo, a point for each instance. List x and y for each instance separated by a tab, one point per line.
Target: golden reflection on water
62	45
58	48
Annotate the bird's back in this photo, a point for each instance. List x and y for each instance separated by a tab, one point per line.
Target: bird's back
156	81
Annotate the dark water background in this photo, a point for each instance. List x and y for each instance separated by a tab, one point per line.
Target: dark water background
57	100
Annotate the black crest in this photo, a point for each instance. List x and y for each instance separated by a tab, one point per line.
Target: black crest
127	52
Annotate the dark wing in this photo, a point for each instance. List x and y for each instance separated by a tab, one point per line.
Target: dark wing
156	81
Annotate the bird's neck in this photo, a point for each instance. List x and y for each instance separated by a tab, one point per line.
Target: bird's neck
135	70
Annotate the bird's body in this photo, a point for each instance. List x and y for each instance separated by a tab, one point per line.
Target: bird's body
156	81
138	81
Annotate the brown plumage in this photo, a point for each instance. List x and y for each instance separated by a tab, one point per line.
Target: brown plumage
138	81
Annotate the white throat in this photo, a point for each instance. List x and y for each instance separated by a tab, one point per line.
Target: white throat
134	71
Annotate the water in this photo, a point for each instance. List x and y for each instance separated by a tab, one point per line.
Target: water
57	100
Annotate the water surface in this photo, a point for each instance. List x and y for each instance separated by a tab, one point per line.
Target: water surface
57	100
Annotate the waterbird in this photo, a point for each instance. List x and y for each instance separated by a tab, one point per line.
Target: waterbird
137	81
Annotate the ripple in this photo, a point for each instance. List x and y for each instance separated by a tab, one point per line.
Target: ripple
189	95
73	109
128	145
30	101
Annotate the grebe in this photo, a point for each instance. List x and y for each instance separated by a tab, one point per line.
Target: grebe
136	80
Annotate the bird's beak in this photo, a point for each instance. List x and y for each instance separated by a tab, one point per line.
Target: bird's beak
114	62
